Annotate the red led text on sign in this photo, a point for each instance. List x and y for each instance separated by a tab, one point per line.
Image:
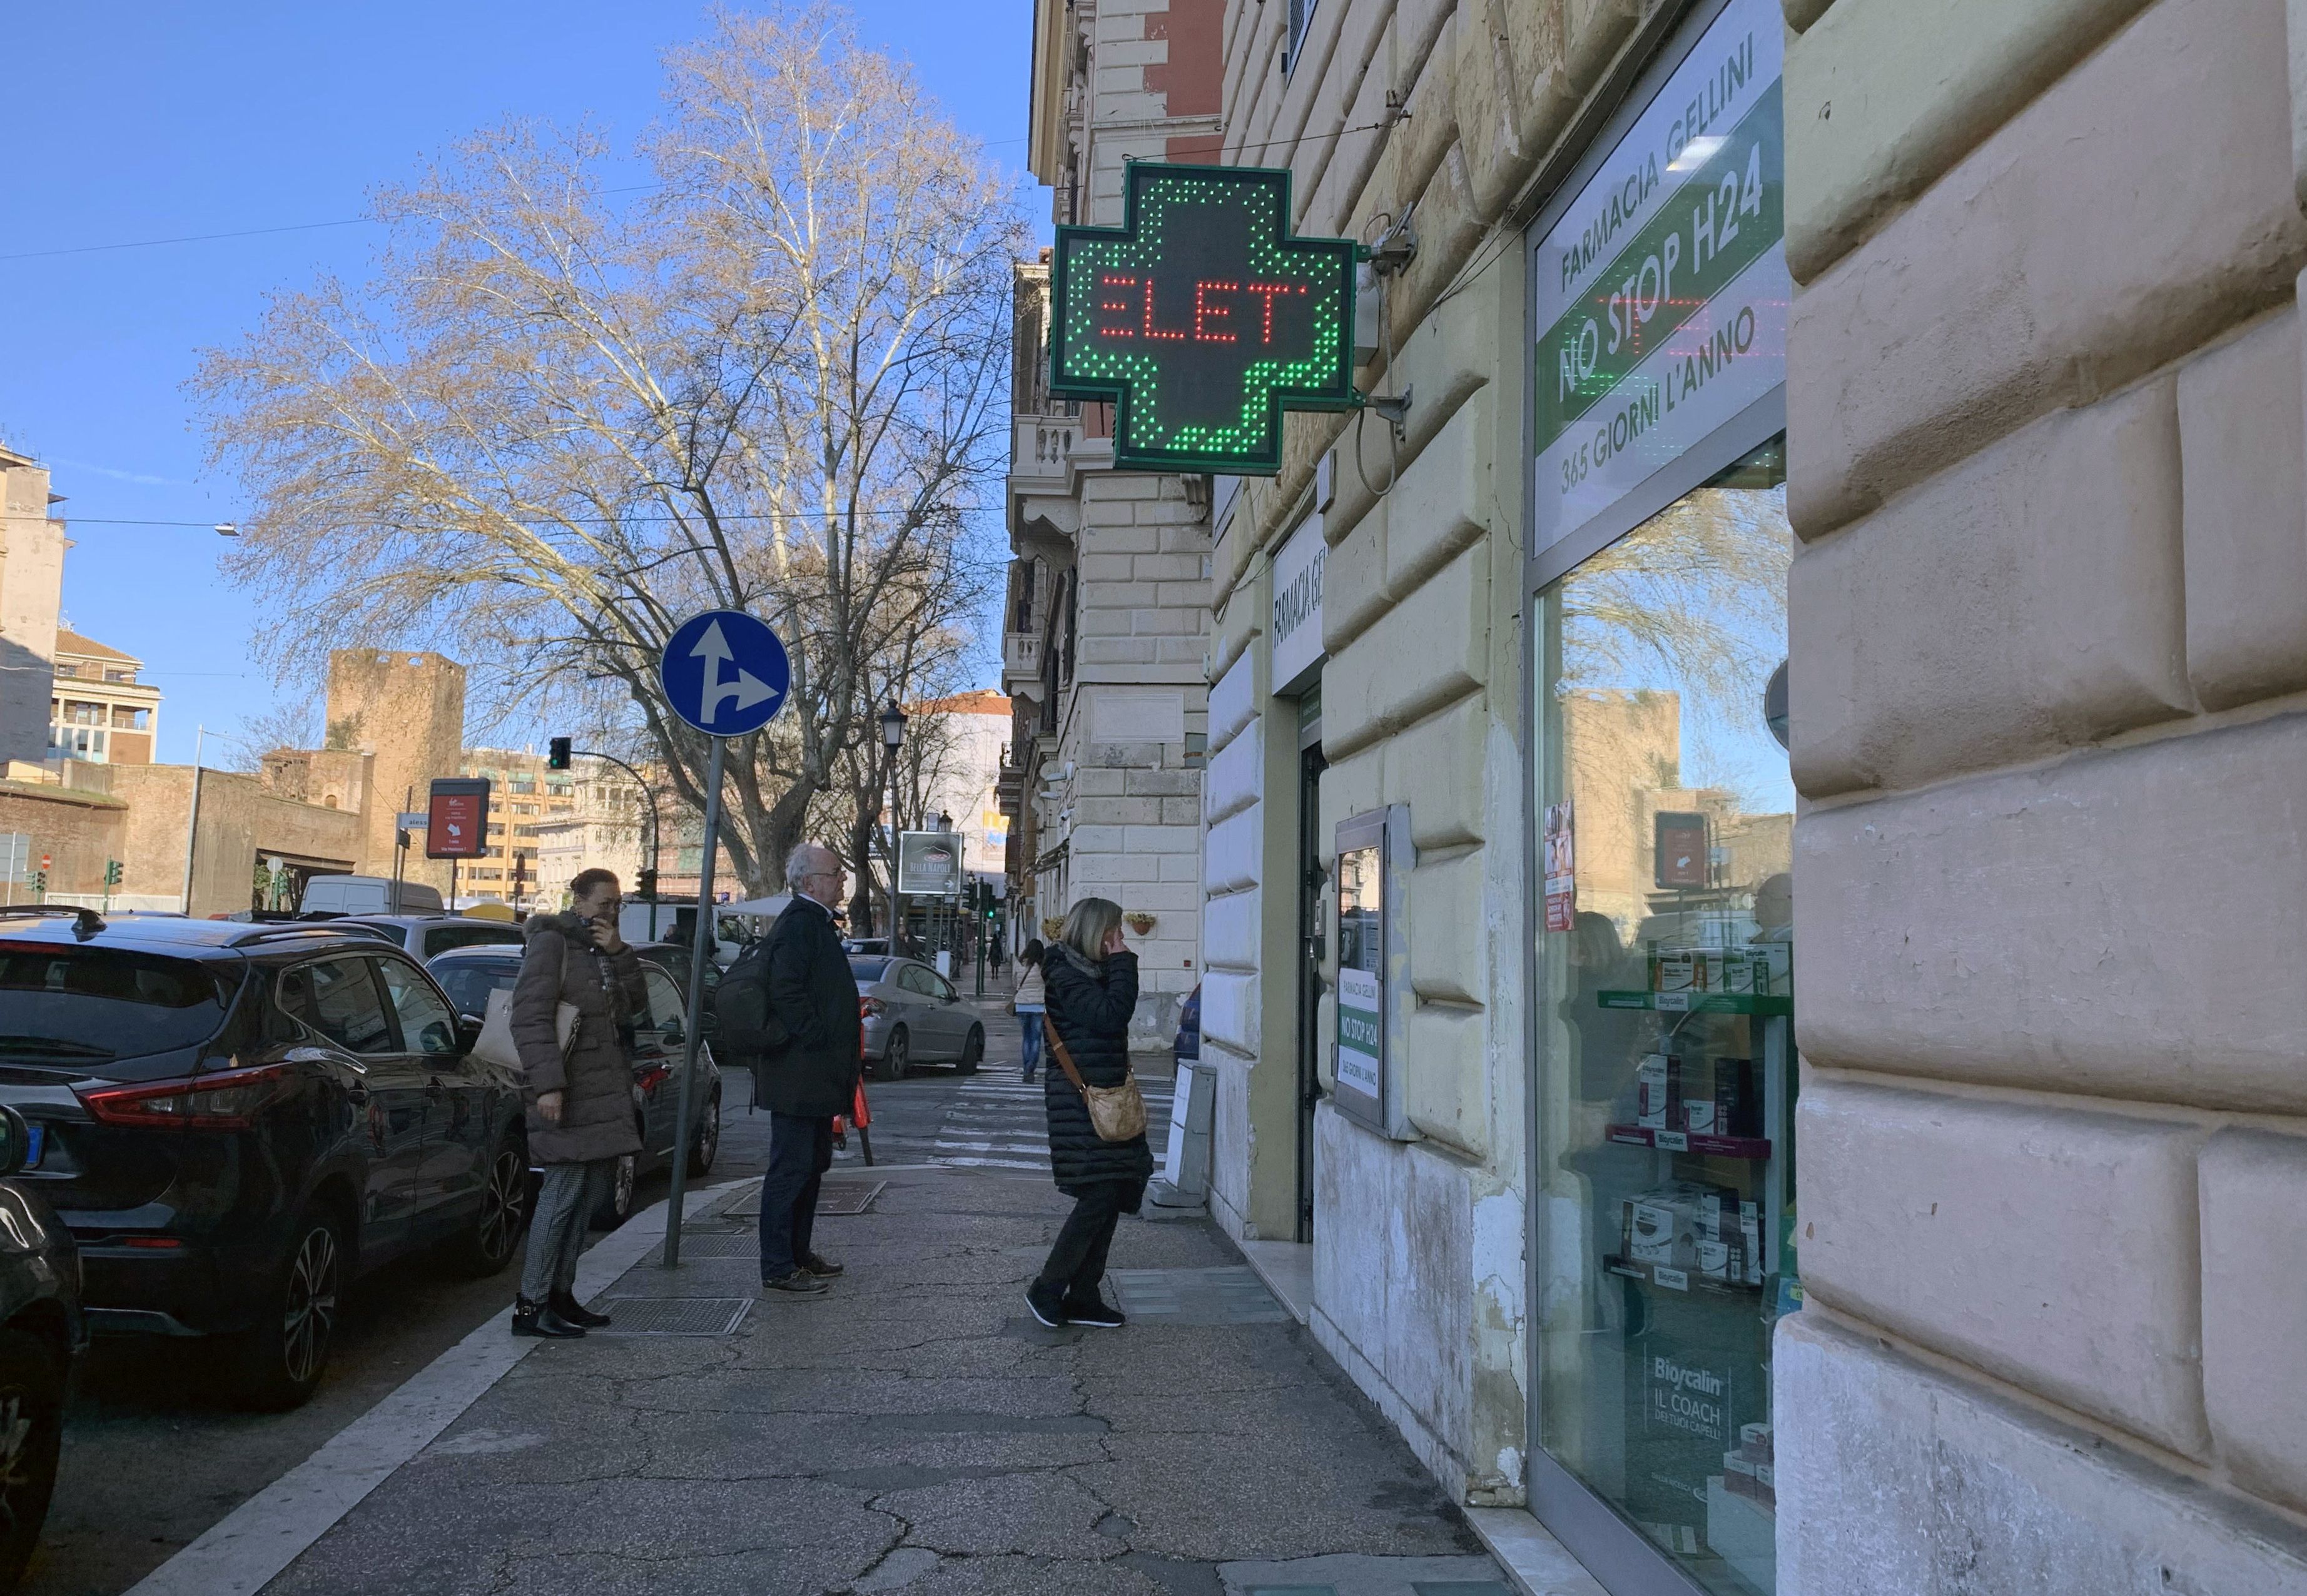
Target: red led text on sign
1213	318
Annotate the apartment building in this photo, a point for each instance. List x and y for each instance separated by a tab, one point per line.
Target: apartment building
524	797
1107	621
100	712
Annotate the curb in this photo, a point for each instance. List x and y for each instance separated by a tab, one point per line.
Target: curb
241	1553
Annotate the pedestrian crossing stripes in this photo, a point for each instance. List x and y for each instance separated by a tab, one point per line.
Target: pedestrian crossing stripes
998	1122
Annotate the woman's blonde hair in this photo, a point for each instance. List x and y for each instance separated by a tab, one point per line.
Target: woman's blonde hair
1086	926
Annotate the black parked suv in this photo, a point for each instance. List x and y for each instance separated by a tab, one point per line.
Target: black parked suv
42	1333
236	1120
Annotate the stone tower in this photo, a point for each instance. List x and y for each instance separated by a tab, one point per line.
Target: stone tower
407	711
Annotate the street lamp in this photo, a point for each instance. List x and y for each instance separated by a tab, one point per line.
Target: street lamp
893	727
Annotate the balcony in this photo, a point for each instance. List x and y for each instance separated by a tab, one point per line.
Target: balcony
1020	658
1040	453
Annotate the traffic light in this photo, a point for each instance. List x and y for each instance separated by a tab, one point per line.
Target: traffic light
112	873
556	753
40	883
645	884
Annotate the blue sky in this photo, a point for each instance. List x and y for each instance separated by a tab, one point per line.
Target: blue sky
133	121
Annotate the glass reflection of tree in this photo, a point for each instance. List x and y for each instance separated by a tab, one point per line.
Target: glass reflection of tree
1695	602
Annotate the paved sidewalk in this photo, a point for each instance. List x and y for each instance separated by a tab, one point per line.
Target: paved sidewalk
915	1431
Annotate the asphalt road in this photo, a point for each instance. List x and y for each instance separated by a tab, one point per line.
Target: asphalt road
154	1453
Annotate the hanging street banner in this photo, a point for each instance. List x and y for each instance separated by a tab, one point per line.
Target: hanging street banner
1660	296
1201	318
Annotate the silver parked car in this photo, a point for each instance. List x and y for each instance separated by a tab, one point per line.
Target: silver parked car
428	936
915	1016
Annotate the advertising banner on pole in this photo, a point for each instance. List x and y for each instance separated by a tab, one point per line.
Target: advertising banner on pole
456	824
928	864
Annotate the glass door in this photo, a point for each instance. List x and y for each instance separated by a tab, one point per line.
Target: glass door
1666	1063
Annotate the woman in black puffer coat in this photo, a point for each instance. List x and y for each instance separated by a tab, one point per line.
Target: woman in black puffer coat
1090	979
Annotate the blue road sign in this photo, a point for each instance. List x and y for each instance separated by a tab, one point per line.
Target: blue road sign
725	673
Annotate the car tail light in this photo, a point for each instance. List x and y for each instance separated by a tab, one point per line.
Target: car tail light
655	1076
225	1100
870	1008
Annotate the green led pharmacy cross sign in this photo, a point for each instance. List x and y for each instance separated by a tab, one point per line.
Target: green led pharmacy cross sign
1202	320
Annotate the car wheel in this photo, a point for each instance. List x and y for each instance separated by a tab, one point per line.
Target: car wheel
706	1146
31	1424
489	1243
617	1203
289	1352
894	1057
973	1052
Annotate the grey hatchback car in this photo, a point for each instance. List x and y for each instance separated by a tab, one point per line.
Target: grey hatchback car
428	936
915	1016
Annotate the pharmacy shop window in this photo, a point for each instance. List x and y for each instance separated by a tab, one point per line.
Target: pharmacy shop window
1666	1055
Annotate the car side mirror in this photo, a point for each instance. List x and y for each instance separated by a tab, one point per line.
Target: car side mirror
468	1032
15	1141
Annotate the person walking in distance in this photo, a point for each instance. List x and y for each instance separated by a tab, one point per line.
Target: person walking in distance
791	1008
579	1094
1028	1004
1090	983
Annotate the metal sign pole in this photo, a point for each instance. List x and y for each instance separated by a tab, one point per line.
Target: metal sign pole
701	943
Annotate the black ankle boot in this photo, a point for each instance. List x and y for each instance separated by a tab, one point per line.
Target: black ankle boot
538	1318
568	1306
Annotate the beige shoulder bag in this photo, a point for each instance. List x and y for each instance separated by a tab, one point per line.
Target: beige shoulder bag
1115	1113
496	1046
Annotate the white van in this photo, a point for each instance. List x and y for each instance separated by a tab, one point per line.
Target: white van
368	895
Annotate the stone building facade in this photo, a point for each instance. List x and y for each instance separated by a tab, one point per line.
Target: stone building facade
2049	607
1108	615
1536	610
31	590
407	711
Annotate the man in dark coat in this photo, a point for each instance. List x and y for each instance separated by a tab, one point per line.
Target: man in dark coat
580	1100
788	1009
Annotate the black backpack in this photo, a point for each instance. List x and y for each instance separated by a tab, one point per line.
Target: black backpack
750	1026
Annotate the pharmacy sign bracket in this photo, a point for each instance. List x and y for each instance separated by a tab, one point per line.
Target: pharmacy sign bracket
1201	318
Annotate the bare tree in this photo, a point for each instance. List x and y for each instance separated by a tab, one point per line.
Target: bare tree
553	426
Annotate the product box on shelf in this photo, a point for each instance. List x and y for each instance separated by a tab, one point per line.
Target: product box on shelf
1658	1092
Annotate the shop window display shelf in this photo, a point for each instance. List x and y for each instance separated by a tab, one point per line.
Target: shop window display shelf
1703	1002
1755	1147
1682	1280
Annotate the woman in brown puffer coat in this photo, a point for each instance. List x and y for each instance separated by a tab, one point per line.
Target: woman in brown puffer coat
581	1105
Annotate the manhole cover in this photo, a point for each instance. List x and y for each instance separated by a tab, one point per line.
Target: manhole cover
675	1316
848	1198
716	1243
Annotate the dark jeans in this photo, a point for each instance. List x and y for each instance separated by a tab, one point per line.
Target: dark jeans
801	1151
1033	1041
1077	1261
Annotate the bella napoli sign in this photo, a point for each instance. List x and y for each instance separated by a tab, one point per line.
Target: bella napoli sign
1202	319
1662	290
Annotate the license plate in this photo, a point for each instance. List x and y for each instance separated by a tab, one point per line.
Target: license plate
37	1145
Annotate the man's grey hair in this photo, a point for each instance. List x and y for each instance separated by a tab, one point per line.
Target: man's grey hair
805	861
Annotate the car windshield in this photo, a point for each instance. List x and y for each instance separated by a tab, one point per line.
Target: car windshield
869	969
469	981
83	1004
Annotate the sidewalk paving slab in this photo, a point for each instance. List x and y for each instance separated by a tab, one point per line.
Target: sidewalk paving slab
915	1431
